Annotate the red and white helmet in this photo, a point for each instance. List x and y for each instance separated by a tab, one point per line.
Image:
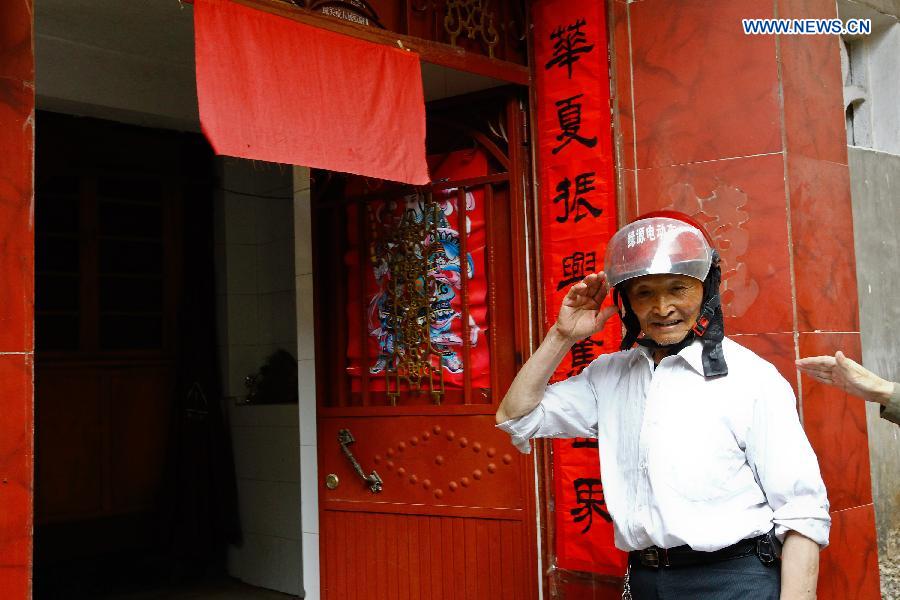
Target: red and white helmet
655	244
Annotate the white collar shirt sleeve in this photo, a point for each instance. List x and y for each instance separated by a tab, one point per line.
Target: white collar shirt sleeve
687	460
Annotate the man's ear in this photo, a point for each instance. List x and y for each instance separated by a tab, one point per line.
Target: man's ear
620	300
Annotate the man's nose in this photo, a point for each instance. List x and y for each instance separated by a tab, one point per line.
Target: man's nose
662	305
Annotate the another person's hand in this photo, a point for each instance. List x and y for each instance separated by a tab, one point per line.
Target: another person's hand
848	375
580	315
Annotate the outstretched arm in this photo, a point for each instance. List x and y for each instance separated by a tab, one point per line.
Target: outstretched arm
580	316
848	375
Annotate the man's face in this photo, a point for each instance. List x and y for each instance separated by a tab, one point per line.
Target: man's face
667	306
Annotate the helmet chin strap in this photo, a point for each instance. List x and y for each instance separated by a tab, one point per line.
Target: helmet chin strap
710	325
709	328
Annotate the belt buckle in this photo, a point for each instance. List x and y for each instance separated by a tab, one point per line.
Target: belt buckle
765	551
650	558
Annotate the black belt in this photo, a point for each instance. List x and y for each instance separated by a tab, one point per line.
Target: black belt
655	557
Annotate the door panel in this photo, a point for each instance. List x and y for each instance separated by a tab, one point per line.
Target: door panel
420	302
70	479
427	557
140	415
441	464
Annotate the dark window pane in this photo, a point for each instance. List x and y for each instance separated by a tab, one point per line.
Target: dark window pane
118	256
56	214
56	332
56	254
130	293
135	189
130	332
66	185
56	292
130	220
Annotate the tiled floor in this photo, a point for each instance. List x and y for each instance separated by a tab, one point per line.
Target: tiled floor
220	590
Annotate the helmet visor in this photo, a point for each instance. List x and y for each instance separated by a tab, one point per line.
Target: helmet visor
657	246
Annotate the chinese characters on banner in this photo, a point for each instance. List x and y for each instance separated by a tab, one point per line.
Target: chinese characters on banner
578	217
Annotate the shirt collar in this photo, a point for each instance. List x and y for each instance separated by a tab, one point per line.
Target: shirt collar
692	355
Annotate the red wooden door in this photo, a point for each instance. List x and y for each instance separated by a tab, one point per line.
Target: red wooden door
421	322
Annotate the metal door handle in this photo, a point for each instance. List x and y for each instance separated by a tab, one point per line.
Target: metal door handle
345	438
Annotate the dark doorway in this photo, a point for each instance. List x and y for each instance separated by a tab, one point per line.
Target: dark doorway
133	471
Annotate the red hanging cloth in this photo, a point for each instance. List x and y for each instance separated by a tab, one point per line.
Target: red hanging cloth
277	90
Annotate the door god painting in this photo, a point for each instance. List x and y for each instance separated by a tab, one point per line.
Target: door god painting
424	275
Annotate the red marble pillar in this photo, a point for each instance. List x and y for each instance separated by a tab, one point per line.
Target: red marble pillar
16	296
747	133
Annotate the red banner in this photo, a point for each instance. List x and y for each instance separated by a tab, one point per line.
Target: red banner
578	217
273	89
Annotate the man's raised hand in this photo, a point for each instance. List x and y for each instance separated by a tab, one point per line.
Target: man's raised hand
580	315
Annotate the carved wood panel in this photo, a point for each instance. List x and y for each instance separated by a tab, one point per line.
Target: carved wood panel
493	28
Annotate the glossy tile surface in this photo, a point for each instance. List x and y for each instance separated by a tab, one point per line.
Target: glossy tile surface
15	582
16	459
702	89
16	56
848	568
16	218
824	259
741	202
627	190
624	122
836	426
813	86
16	296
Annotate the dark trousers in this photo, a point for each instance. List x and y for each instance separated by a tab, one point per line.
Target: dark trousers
744	578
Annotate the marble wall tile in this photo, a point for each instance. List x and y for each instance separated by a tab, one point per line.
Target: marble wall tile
16	50
16	295
702	89
848	568
836	426
627	194
15	581
624	119
822	232
812	86
16	214
16	460
742	204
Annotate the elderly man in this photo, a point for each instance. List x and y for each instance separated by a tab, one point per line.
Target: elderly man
706	469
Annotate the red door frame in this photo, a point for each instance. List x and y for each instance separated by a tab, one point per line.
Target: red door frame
522	225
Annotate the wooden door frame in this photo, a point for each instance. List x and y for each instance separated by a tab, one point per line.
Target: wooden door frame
525	252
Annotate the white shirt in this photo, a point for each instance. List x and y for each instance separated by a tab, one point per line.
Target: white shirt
685	459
